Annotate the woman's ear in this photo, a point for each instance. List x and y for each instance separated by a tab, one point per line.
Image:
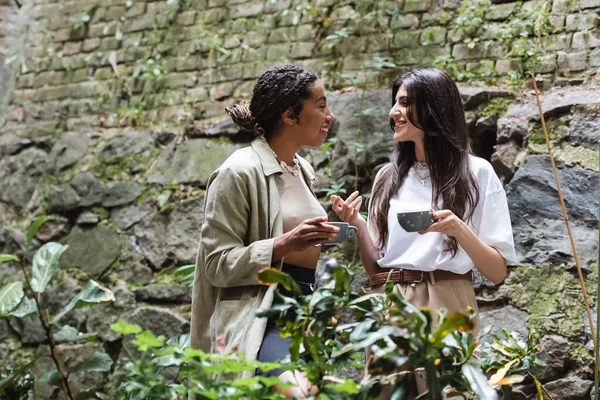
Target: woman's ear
289	117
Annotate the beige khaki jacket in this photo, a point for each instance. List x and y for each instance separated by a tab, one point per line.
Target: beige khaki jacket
241	218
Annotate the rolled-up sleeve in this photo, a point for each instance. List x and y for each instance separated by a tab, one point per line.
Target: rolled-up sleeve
225	257
495	228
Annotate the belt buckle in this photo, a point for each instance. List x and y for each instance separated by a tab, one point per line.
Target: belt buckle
411	281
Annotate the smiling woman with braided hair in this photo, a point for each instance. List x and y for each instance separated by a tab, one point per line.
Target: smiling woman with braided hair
259	209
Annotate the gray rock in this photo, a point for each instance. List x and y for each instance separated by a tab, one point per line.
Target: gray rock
539	230
19	176
222	127
171	237
365	138
553	104
93	192
473	97
89	188
511	129
585	131
126	217
164	293
88	218
486	124
132	267
3	329
189	162
103	316
53	229
571	388
120	193
503	160
12	241
509	318
73	354
124	145
164	138
160	321
43	391
63	198
553	351
92	249
16	147
29	329
68	150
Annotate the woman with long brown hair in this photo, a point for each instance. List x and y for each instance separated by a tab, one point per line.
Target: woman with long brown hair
432	169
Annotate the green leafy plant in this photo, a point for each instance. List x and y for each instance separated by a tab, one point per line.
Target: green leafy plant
22	298
513	360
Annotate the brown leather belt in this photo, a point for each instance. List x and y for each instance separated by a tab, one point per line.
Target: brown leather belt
412	276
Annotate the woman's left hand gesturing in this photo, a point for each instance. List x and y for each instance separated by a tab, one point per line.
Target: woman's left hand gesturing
446	223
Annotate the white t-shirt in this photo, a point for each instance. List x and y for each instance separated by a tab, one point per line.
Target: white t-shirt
490	222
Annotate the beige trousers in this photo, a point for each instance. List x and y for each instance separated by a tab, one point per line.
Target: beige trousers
454	295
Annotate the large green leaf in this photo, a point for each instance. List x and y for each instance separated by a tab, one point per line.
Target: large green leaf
268	276
45	263
125	329
478	381
10	297
98	362
69	334
26	307
51	377
92	293
147	340
8	257
35	226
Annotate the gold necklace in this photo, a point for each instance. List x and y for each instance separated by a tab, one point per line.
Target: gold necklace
294	170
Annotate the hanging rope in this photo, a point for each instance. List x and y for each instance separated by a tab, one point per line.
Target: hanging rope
564	210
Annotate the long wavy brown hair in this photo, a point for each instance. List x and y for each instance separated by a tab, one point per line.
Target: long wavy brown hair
434	106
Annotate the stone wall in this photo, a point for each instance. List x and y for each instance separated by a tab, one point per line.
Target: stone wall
117	150
162	63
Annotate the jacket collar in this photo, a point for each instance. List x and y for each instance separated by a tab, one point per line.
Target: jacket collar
270	164
267	157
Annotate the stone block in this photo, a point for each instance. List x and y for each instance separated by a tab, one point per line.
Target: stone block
115	13
506	66
137	9
416	5
433	35
90	45
479	51
301	50
215	14
404	21
102	29
404	39
500	12
71	48
277	52
186	18
183	79
580	22
138	24
109	43
246	10
572	61
595	58
589	3
281	35
589	39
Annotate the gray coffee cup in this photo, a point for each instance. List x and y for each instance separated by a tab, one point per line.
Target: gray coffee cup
415	221
347	232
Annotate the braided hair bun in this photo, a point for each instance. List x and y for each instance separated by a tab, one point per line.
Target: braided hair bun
279	88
